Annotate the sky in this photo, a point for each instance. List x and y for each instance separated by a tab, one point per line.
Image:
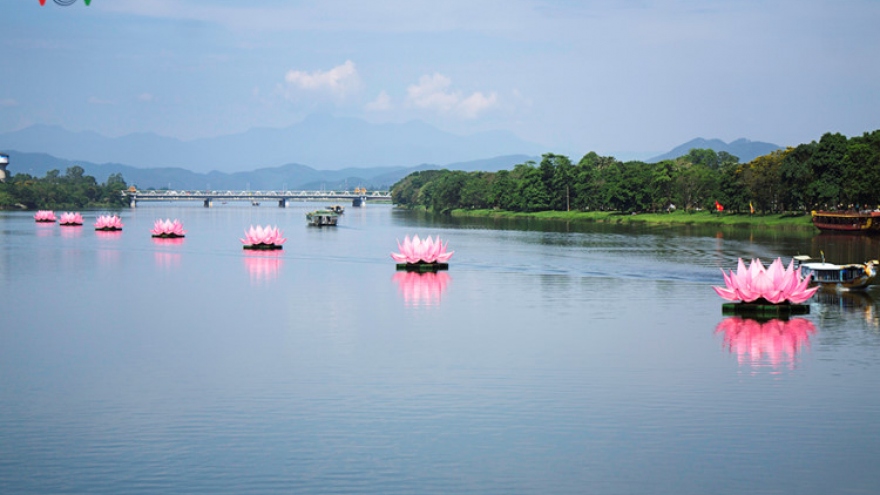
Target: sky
627	77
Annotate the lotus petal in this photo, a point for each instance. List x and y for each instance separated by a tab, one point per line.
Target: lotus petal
775	284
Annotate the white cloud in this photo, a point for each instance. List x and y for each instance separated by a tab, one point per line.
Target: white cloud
382	103
339	82
476	103
433	93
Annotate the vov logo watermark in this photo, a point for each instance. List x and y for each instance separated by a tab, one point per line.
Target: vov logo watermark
65	3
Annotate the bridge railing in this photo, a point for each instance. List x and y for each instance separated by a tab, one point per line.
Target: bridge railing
231	193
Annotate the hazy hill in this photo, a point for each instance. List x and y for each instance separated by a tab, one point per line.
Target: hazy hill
290	176
324	142
743	148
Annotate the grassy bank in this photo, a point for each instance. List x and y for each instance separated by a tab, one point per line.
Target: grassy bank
677	218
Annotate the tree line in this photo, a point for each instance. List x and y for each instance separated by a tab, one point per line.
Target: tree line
834	173
73	190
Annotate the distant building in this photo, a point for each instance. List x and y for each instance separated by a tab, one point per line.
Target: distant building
4	161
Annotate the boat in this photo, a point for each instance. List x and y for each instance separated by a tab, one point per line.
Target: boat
255	203
322	218
338	209
865	222
852	276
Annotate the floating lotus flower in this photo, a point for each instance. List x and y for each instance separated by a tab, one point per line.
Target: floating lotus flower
422	289
45	216
263	238
71	219
168	229
774	285
758	343
429	254
108	223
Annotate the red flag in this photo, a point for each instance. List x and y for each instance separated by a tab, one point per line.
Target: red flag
42	2
719	206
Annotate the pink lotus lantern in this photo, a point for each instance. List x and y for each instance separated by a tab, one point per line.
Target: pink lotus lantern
44	216
265	238
69	219
422	289
168	229
429	254
108	223
773	342
774	285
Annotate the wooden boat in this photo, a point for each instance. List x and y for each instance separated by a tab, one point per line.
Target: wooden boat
865	222
852	276
322	218
338	209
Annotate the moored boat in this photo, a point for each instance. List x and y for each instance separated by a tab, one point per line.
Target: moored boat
322	218
866	222
851	276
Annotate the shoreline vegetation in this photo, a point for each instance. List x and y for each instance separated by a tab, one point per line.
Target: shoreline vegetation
794	221
703	187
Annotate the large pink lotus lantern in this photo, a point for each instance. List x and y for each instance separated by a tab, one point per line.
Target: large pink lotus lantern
168	229
774	285
108	223
44	216
263	238
773	342
416	253
69	219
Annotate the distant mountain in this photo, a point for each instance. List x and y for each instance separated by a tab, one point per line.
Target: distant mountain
321	141
744	149
290	176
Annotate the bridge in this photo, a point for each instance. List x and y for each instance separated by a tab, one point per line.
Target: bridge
357	197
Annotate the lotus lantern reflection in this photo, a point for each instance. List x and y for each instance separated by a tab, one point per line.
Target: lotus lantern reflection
259	237
422	289
417	251
167	229
108	222
44	216
71	219
771	342
773	285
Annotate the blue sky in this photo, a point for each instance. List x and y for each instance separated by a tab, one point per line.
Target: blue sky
616	77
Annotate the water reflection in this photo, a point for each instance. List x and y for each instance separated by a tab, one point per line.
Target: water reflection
167	260
422	289
263	266
857	303
71	231
759	343
109	235
167	241
45	229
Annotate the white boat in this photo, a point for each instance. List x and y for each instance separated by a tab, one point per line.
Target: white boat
852	276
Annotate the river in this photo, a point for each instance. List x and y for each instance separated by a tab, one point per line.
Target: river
549	358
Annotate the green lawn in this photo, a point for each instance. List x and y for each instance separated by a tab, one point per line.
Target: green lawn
678	217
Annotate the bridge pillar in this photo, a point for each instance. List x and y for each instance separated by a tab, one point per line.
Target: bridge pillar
282	203
209	202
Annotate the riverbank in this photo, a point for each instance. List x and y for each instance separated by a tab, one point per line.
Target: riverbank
789	221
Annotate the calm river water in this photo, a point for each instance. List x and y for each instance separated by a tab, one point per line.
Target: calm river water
550	358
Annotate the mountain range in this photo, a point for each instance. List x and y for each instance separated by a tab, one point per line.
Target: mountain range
372	155
321	141
742	148
290	176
